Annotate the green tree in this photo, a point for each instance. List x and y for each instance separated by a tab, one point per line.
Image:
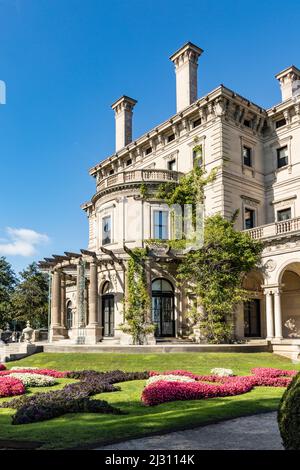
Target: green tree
216	273
30	298
7	284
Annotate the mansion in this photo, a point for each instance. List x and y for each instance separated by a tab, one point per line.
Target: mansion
257	155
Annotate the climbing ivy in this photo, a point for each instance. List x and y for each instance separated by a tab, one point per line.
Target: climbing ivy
216	272
137	303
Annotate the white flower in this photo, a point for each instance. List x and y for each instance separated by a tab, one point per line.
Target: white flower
169	378
34	380
24	368
222	372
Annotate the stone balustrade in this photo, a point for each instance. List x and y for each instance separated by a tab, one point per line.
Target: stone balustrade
144	175
275	229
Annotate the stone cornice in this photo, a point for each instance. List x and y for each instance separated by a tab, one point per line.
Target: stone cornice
217	103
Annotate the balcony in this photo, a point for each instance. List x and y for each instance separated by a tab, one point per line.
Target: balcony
276	229
138	176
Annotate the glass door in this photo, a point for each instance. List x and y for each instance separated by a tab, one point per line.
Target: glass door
108	315
163	314
252	318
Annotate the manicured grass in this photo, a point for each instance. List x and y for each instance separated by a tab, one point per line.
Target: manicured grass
87	429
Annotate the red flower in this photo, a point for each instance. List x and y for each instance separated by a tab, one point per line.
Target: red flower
50	372
2	367
163	391
10	386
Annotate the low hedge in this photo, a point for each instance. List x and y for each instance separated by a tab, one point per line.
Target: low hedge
289	415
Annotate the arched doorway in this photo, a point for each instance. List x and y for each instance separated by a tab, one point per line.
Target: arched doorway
290	301
107	310
69	315
163	308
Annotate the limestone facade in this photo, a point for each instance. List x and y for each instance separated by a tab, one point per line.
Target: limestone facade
256	151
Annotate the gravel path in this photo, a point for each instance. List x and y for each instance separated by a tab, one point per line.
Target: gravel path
256	432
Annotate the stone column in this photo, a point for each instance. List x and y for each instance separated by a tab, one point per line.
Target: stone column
277	313
56	328
94	330
80	298
269	315
63	301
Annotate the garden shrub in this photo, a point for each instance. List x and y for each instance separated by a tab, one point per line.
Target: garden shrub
2	367
289	415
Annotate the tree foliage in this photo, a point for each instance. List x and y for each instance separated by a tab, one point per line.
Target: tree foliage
30	297
216	273
7	284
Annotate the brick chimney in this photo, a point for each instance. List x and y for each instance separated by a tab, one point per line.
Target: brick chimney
289	80
123	108
186	64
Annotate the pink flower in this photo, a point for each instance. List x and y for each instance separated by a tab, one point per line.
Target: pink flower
210	386
49	372
10	386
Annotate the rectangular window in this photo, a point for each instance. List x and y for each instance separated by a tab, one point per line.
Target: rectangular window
111	172
172	165
247	156
249	218
128	162
197	156
106	230
196	123
247	123
171	137
280	123
284	214
161	225
148	150
282	156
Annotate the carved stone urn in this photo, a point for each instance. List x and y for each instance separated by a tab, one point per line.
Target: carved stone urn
27	332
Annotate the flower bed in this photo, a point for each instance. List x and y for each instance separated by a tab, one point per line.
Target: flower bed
10	386
29	370
209	386
34	380
169	378
220	372
73	398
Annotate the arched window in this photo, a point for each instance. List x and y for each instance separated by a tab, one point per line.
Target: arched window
163	307
162	285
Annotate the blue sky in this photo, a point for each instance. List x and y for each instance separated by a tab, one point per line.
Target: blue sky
65	61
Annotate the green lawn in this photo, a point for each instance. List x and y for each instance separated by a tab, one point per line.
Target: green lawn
88	429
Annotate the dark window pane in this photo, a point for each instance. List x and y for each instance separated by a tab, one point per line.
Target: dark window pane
171	137
148	150
197	123
284	214
249	218
247	156
282	157
280	123
172	165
